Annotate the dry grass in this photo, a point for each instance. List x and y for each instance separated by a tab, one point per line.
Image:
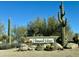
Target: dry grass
57	53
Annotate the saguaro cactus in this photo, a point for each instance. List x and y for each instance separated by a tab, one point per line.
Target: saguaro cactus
9	31
63	24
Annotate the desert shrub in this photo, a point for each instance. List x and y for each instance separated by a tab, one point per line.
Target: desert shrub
6	45
76	38
49	48
39	47
3	46
58	40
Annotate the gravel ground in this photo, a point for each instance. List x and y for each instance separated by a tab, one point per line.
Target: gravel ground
56	53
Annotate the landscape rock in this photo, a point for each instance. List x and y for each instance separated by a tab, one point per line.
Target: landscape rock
0	42
33	47
58	46
45	45
72	45
23	47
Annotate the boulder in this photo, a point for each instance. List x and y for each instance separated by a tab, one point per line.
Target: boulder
0	42
58	46
33	47
45	45
72	45
30	48
23	47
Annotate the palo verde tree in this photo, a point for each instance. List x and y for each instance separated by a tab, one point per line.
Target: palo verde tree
52	26
1	29
19	32
37	27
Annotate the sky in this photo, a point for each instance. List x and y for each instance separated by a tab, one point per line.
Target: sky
22	12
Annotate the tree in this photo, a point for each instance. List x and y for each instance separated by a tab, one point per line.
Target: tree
44	28
19	32
1	29
52	26
3	37
37	27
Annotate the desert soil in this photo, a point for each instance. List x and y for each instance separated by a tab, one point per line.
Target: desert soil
56	53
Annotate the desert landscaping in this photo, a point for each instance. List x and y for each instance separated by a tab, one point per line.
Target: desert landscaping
40	38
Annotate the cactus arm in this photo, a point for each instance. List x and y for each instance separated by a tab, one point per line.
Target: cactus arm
59	18
66	21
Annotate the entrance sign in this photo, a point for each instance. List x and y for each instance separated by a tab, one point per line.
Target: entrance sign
42	40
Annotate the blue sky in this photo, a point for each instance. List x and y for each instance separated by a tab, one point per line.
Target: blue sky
22	13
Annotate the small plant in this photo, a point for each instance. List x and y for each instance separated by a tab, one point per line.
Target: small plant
49	48
76	38
39	47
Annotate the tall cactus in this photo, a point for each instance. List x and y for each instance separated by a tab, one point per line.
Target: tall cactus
63	24
9	31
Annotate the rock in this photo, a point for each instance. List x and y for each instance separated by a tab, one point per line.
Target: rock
30	49
72	45
45	45
33	47
58	46
0	42
23	47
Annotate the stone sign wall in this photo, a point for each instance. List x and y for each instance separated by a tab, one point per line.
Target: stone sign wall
42	39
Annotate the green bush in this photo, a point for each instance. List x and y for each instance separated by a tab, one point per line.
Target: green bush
8	46
49	48
3	46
